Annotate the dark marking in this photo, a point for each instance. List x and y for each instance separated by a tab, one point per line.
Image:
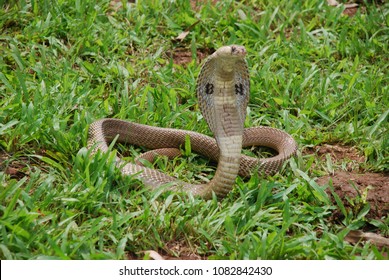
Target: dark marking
209	88
239	89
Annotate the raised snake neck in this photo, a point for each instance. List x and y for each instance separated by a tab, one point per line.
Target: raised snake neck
223	89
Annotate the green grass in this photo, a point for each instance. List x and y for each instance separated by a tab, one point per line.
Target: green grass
321	76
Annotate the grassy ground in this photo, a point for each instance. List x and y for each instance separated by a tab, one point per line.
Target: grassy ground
318	74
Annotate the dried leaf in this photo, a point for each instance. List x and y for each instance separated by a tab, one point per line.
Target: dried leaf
185	33
349	9
354	236
332	3
153	255
115	5
182	35
350	6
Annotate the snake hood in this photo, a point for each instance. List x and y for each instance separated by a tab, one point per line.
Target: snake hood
223	89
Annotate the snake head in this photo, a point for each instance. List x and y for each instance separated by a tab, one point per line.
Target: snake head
230	52
228	56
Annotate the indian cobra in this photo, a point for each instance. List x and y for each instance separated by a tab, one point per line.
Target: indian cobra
223	89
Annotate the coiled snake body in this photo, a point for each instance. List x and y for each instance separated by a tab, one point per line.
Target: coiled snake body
223	89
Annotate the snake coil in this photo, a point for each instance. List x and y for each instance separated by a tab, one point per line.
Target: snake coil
223	88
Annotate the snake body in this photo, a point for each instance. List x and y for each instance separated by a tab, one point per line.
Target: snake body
223	89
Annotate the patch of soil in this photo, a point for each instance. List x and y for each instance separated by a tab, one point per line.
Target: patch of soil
196	4
17	169
349	186
182	56
339	153
174	250
183	251
350	9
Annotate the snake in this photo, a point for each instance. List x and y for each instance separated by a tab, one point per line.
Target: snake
223	88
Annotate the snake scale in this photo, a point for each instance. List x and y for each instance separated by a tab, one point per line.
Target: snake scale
223	89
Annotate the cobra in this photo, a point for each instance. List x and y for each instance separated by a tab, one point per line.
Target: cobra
223	87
